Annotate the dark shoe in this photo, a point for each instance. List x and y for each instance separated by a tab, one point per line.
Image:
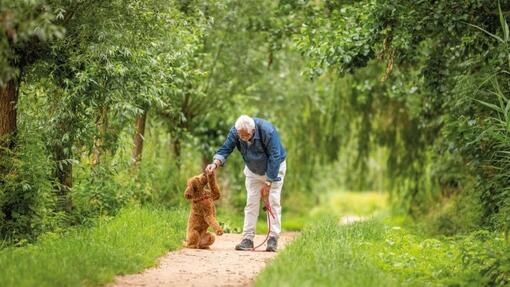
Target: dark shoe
246	244
272	244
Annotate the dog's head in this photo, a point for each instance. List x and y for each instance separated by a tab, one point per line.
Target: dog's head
195	187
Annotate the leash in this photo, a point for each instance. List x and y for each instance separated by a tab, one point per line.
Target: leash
269	213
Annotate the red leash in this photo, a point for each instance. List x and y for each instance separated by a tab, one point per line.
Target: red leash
269	212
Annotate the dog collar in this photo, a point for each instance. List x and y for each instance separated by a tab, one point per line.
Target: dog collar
201	198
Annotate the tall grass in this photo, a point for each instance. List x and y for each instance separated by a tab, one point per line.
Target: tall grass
490	149
323	256
374	253
127	243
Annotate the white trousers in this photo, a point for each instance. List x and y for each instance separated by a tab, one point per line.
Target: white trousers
254	184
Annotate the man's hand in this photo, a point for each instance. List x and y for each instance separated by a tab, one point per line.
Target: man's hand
264	192
209	169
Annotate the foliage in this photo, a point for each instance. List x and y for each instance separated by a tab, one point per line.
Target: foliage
437	105
406	97
32	203
93	79
24	23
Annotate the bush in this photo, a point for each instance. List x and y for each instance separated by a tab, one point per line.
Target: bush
27	200
461	213
97	193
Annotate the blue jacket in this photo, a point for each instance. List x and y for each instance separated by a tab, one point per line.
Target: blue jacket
263	154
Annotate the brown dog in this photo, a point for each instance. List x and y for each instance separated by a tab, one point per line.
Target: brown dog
203	212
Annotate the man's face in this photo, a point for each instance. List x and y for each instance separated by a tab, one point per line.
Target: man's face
244	135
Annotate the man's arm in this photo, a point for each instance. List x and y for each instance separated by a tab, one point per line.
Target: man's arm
223	152
228	146
273	150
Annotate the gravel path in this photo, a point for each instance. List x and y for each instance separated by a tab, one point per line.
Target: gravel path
219	266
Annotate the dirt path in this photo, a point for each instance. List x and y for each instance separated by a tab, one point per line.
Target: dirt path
351	218
219	266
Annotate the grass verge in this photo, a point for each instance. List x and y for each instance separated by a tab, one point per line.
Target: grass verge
323	256
375	253
127	243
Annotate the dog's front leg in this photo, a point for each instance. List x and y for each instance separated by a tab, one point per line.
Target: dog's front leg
213	185
211	220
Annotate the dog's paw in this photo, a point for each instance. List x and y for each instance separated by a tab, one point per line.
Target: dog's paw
219	232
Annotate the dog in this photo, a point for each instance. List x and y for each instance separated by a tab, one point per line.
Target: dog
203	211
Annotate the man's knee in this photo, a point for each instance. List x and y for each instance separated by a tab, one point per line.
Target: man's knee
274	199
275	204
252	199
251	204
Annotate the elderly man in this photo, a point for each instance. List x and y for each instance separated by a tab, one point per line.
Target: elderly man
264	158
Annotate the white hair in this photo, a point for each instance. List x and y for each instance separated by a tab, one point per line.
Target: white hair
246	123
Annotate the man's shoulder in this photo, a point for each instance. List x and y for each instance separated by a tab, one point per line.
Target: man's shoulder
264	125
260	121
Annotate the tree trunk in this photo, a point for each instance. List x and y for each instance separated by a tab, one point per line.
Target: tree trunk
176	146
61	141
139	137
64	174
8	101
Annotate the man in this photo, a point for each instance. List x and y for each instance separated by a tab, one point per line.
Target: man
264	158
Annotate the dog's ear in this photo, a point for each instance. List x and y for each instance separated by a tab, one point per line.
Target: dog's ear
188	193
197	186
191	188
203	179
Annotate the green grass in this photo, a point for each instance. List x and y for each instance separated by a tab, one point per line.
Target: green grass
323	256
387	250
374	253
127	243
481	258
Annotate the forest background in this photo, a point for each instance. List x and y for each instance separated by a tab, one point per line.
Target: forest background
109	104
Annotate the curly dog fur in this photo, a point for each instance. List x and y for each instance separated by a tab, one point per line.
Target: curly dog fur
203	211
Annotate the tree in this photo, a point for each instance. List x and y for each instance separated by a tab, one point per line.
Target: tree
438	58
26	27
